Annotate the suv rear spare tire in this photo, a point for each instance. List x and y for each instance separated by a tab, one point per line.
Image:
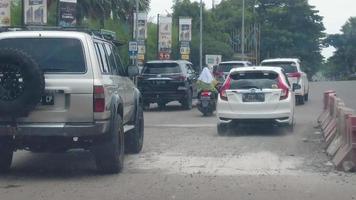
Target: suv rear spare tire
22	83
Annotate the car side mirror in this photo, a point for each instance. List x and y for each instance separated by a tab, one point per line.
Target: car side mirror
296	87
133	71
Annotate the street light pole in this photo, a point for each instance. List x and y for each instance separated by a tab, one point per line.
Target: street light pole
201	37
243	31
136	27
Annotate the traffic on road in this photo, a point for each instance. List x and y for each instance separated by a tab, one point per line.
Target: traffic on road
133	111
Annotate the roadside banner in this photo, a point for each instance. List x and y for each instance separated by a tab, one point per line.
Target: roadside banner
5	13
35	12
164	37
185	29
133	49
185	37
142	26
67	13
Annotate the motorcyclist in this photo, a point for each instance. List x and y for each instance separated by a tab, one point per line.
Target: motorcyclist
206	82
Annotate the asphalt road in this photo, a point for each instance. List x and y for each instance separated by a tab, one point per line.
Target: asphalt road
184	158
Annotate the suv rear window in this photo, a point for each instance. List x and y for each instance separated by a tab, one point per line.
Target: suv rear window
161	68
229	67
249	80
288	67
54	55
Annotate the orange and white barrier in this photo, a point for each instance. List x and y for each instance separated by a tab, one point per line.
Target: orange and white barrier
338	124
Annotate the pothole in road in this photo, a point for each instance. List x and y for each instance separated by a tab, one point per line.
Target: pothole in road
261	163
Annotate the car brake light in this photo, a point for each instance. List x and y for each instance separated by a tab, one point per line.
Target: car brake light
180	78
99	99
294	75
226	86
206	94
284	88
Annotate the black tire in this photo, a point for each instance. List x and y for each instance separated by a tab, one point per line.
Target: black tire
109	155
306	97
22	85
134	139
6	154
300	100
223	129
161	106
188	101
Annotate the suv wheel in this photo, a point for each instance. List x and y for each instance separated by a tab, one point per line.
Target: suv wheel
306	97
110	154
300	100
134	139
188	101
6	154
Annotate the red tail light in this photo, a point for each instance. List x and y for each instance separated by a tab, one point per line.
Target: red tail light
206	94
284	88
180	78
294	75
99	99
226	86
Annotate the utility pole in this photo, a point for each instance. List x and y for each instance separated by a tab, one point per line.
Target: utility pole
243	31
136	27
201	36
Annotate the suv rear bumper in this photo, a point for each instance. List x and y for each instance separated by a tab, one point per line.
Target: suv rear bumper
56	129
155	97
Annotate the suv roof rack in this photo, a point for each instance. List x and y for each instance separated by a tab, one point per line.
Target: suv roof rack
100	33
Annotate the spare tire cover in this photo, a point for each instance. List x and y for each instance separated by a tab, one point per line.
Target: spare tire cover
22	83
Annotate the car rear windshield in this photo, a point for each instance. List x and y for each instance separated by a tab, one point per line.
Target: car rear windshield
54	55
161	68
258	80
288	67
229	67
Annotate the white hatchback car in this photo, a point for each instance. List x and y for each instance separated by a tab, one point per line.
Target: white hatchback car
256	94
292	67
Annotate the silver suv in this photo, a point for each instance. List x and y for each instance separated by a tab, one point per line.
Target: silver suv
62	90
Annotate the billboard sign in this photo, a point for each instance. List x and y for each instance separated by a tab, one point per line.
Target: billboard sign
142	26
212	60
165	36
185	29
67	13
5	10
35	12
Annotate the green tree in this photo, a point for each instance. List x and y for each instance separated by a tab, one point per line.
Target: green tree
344	59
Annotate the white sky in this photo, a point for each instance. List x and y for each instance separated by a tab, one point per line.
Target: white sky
335	13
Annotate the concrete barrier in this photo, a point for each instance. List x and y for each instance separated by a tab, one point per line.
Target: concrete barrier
338	125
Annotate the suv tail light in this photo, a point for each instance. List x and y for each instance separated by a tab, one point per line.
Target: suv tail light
226	86
180	78
294	75
99	99
284	88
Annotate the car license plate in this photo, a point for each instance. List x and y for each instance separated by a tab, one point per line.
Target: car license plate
48	99
253	97
160	82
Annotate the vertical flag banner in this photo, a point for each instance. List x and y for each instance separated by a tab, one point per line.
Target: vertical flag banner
67	13
5	11
185	37
165	37
35	12
142	26
185	29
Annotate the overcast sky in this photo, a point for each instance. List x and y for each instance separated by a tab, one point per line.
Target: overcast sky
335	13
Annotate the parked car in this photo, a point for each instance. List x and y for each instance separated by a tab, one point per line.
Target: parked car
223	69
162	82
256	94
292	67
64	90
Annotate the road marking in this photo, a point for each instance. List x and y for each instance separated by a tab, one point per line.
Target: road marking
180	125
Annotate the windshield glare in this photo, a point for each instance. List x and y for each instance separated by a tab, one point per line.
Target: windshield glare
228	67
288	67
259	80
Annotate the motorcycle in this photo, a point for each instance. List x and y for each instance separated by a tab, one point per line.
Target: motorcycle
207	102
